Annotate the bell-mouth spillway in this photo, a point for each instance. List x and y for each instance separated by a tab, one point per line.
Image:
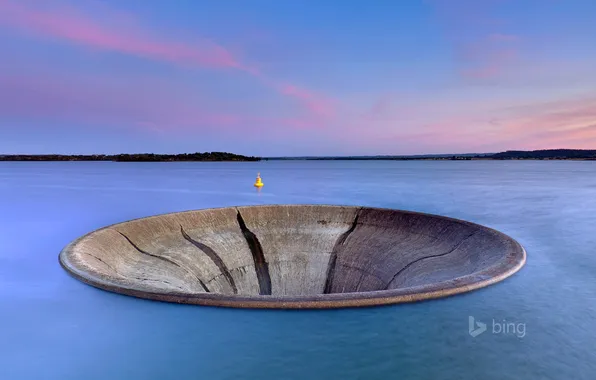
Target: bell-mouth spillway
293	256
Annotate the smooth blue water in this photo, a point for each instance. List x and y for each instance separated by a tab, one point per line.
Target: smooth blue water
54	327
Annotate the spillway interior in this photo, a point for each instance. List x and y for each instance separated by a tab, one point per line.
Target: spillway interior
288	251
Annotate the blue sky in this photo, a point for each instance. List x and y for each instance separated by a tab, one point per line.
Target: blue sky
297	77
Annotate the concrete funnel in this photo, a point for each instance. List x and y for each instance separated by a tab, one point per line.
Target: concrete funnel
293	256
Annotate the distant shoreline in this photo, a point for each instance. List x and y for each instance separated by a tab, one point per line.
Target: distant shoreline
141	157
431	159
550	154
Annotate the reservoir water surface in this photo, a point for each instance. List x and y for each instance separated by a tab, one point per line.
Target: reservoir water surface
539	324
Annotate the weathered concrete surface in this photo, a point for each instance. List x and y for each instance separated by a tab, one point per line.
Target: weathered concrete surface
297	256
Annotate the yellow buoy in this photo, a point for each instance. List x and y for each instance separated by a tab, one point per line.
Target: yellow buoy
258	182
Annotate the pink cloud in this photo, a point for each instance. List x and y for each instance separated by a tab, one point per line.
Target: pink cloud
436	127
553	124
76	28
141	104
583	137
456	134
567	123
86	101
316	104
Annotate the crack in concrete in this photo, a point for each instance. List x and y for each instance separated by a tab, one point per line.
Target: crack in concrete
429	257
135	277
336	248
261	265
210	252
166	260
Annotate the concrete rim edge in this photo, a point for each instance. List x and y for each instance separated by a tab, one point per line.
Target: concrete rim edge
488	276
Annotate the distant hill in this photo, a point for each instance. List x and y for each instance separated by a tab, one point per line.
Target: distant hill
140	157
548	154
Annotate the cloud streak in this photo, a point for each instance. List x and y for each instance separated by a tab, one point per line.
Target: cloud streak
545	124
85	101
76	28
317	104
477	127
71	26
135	104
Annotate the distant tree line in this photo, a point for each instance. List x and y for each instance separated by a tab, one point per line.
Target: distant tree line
140	157
548	154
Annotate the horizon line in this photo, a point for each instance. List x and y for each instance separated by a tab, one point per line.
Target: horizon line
295	156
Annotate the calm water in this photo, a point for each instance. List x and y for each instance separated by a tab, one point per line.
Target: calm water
54	327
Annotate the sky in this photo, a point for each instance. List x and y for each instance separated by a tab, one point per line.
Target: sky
288	78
